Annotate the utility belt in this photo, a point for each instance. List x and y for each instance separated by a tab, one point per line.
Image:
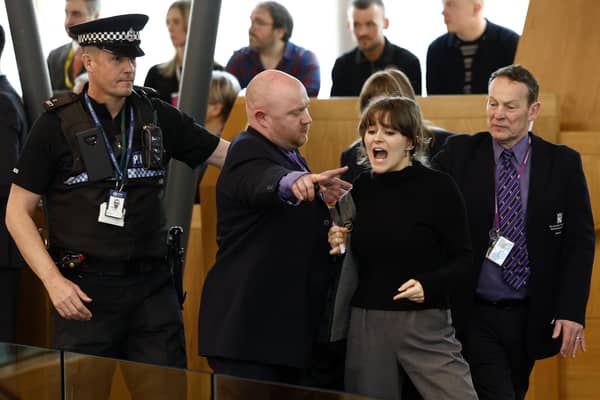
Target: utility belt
71	261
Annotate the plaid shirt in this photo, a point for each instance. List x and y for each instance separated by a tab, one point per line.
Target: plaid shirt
296	61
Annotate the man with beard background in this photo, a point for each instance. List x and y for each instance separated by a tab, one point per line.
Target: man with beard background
271	27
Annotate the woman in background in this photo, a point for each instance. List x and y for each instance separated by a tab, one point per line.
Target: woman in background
224	89
164	78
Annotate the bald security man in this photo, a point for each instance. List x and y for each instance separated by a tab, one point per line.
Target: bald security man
263	298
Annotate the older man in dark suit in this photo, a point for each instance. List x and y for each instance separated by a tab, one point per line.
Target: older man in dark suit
533	239
264	296
13	126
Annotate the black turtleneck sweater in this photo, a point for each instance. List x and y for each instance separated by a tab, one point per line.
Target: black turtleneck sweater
409	224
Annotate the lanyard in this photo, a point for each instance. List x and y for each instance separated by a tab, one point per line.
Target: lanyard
120	176
519	173
68	62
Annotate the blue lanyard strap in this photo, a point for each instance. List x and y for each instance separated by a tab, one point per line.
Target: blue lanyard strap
120	175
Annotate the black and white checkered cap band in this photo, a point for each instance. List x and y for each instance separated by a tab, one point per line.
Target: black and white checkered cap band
108	37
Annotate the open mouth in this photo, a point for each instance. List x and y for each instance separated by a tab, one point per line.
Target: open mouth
379	153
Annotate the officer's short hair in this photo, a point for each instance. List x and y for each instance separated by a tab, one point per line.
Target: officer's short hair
519	73
364	4
281	17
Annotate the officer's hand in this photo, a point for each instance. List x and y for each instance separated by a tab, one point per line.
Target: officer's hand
67	298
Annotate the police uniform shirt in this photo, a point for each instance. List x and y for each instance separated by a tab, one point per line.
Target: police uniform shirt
72	204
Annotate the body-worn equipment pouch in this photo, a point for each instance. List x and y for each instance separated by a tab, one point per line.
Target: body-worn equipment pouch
152	145
94	154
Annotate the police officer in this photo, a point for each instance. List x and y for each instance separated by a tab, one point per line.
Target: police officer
99	160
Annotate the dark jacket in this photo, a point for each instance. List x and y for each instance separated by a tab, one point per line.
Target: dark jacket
13	127
352	69
560	231
263	298
445	65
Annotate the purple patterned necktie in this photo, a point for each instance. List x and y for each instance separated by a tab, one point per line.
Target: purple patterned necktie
515	269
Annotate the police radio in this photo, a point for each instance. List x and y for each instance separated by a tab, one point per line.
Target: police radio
152	145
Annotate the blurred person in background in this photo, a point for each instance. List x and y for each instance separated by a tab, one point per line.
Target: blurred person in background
269	47
165	77
65	64
224	89
461	61
367	20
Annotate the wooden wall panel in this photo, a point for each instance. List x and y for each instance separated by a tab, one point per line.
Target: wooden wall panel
544	380
580	378
194	275
587	143
559	45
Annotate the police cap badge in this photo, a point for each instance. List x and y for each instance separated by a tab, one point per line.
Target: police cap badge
119	34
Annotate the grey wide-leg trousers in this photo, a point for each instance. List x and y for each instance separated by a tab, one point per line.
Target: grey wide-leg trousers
383	343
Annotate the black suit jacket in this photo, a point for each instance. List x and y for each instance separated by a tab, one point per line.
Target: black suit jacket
560	230
352	69
13	126
262	299
445	72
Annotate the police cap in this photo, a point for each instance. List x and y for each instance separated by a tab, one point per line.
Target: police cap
118	35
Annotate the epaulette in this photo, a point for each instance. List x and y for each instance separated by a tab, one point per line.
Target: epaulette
60	100
146	91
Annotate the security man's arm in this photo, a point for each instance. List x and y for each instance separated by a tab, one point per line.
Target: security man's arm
66	296
217	158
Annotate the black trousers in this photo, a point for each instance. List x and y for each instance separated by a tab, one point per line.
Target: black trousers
9	294
135	316
494	344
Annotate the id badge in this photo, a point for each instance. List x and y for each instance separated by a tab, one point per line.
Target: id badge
105	219
112	212
116	203
499	249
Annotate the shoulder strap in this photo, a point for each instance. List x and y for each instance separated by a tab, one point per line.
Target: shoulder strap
60	100
142	99
73	119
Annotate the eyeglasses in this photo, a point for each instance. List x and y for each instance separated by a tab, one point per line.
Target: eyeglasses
259	23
